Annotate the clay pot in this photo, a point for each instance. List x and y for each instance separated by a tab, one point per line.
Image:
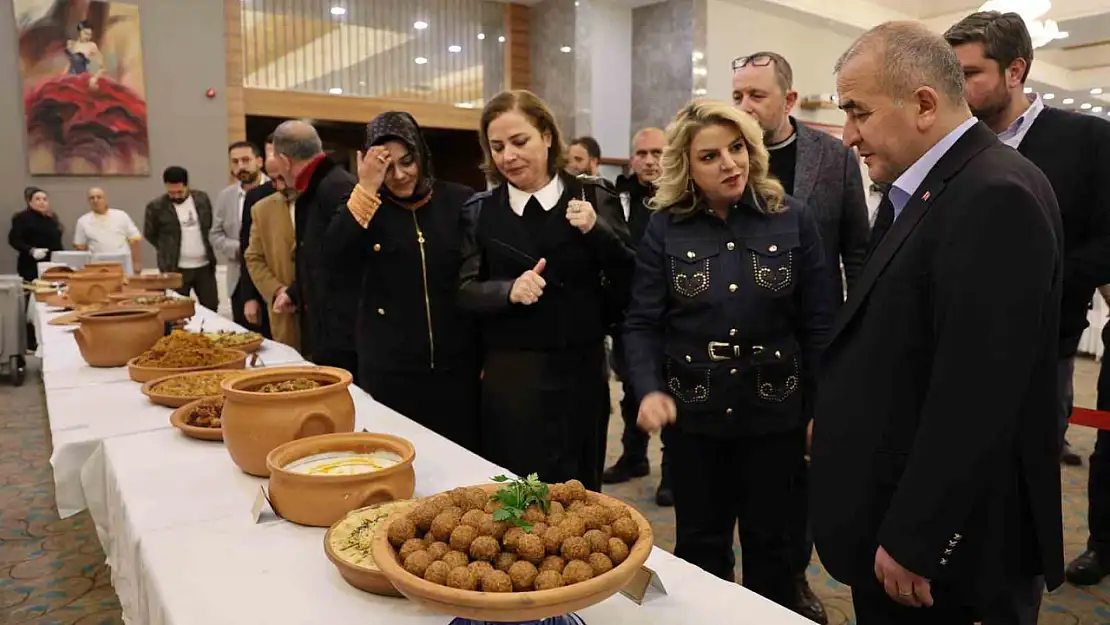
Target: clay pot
255	423
321	500
127	294
103	267
56	274
92	288
174	310
109	338
155	282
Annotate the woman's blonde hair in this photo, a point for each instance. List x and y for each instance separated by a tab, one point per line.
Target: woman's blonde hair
676	191
537	113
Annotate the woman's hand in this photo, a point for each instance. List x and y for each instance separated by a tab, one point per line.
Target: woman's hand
581	215
657	410
529	286
372	167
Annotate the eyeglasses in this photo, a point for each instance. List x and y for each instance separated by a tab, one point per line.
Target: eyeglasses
755	60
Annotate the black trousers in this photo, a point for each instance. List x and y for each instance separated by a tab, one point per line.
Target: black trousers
343	359
201	281
446	401
634	441
1098	480
873	607
238	314
753	481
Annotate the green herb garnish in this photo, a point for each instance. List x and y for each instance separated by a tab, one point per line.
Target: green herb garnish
515	497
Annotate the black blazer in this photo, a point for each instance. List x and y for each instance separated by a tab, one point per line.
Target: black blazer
31	229
1073	151
935	429
246	288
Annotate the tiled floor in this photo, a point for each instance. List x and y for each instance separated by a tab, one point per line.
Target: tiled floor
52	572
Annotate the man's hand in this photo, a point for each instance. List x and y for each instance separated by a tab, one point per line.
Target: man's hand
283	304
900	584
657	410
252	310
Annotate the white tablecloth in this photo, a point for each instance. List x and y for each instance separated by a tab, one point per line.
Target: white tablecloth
174	517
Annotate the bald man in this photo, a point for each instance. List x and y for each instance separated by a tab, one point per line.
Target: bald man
105	230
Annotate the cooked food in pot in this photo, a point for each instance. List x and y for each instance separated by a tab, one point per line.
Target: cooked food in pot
194	385
232	339
288	386
184	358
207	414
344	463
350	538
154	300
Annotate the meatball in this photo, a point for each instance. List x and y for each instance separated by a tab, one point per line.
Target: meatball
577	571
423	515
547	580
577	490
511	536
607	530
504	561
561	493
460	577
530	547
478	499
444	524
539	529
553	539
492	528
612	512
534	514
440	502
462	537
438	549
456	559
599	542
484	548
400	531
492	506
618	550
554	507
474	518
480	568
575	548
410	547
576	507
626	530
523	575
556	518
594	517
417	563
553	563
460	497
600	563
497	581
436	572
573	525
454	511
429	538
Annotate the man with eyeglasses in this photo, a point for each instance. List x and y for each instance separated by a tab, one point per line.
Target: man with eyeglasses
816	168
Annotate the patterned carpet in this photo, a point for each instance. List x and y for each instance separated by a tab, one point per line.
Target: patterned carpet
52	571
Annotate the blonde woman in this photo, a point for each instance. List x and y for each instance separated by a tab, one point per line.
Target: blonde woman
731	305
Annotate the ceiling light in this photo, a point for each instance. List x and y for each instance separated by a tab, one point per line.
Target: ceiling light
698	55
464	105
1068	100
1048	96
454	48
1028	90
338	11
1040	31
420	60
701	91
420	25
1096	91
481	36
335	91
701	71
1085	105
501	39
1097	109
564	49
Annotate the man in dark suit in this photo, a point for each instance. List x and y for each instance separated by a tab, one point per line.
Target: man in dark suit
1073	151
935	463
253	301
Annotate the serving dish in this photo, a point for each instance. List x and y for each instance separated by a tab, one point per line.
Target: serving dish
179	418
105	267
155	281
249	342
232	359
128	294
347	545
92	287
169	308
156	389
113	336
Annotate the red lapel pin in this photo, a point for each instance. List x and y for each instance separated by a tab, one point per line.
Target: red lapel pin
925	197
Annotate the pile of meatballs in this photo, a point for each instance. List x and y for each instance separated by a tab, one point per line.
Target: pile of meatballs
452	540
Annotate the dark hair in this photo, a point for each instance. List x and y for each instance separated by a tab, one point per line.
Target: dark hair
82	26
783	72
270	139
592	147
1003	35
175	174
244	144
537	113
30	192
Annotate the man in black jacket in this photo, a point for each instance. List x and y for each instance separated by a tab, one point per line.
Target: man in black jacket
1073	151
176	223
326	300
936	474
253	302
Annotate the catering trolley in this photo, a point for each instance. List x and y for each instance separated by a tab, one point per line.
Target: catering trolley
13	329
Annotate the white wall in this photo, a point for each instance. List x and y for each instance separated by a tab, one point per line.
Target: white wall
610	75
739	27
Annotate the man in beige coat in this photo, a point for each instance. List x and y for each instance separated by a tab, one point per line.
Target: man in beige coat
269	259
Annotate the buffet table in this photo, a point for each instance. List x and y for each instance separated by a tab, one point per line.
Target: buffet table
175	517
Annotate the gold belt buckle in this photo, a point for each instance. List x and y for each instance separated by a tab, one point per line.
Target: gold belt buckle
716	344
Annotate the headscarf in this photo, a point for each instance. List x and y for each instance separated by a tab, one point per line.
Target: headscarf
400	126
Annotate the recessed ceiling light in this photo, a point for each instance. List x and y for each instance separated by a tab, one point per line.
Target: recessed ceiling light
700	91
454	48
420	60
698	55
1097	109
1048	96
335	91
1028	90
1068	100
564	49
1096	91
501	39
338	11
1085	105
420	25
362	83
464	105
481	36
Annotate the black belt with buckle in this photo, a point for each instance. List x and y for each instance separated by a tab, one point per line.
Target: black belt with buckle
719	351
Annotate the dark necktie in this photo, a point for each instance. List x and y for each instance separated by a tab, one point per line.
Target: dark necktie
534	217
883	220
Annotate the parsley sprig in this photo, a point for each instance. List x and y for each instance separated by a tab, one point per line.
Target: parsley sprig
515	497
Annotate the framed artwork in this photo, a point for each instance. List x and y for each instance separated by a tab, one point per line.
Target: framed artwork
84	93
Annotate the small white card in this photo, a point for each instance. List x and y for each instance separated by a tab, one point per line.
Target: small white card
263	511
644	585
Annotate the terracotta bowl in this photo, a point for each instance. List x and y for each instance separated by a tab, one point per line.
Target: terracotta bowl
155	282
515	606
255	423
57	274
109	338
176	310
321	500
150	388
363	577
127	294
103	267
179	418
252	346
91	288
62	301
141	373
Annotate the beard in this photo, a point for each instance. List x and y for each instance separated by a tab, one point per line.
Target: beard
993	107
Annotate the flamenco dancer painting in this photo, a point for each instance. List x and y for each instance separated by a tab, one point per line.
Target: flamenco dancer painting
84	94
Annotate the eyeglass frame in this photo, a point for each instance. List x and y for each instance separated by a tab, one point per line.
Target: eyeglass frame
741	62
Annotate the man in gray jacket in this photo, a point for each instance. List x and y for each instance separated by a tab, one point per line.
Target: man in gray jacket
246	166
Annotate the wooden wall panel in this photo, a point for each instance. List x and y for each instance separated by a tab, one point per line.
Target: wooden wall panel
299	105
233	44
518	57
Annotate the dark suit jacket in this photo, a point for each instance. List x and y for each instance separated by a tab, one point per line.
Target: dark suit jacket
247	290
935	428
828	181
163	230
1073	151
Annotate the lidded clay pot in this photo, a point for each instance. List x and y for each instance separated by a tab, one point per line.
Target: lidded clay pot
103	267
255	423
155	282
93	288
111	337
321	500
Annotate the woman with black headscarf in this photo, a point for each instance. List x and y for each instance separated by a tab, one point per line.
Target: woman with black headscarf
418	352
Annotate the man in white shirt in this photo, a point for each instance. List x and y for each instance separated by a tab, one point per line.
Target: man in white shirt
225	236
106	230
177	225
